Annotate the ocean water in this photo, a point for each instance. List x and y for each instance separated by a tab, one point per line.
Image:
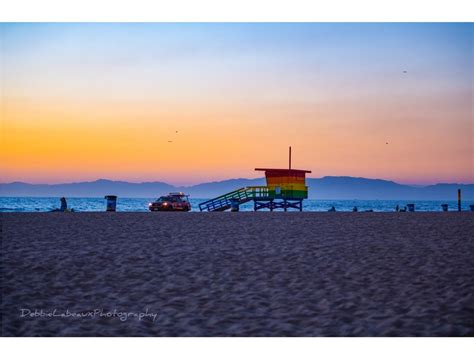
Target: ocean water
81	204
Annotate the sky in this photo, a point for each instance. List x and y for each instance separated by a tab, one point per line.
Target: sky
189	103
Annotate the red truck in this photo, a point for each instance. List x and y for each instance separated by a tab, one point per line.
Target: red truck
174	201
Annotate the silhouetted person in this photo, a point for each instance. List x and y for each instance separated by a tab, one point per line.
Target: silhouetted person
63	207
355	209
397	208
332	209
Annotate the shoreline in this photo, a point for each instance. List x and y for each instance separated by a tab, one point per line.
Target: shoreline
240	212
17	204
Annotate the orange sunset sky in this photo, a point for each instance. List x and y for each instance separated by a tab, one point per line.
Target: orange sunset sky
88	101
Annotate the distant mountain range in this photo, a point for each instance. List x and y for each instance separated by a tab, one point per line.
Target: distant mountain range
328	187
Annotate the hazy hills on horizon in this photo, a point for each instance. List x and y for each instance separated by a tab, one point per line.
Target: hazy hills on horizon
328	187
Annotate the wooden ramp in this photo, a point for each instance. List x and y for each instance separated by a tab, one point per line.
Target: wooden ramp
243	195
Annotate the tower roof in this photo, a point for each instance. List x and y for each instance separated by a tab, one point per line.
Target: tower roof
284	171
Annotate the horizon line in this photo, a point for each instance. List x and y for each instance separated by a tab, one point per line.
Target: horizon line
239	178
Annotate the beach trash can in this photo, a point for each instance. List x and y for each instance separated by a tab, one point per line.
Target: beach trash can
411	207
444	206
111	203
234	205
471	207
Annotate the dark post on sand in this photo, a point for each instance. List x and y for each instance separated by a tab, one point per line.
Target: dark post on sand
459	200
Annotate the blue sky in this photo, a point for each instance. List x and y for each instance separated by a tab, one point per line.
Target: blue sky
328	86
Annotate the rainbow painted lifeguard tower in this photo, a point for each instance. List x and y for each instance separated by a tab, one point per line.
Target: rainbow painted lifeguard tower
286	188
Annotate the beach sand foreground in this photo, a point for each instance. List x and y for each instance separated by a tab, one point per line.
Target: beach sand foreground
237	274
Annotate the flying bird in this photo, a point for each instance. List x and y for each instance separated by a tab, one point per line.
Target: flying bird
170	141
404	72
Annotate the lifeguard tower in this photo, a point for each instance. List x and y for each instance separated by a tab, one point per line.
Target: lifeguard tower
286	188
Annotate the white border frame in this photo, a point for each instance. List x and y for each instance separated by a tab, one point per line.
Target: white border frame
235	10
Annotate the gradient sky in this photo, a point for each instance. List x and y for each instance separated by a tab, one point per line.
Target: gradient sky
87	101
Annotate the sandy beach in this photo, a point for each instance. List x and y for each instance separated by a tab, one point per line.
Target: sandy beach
237	274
